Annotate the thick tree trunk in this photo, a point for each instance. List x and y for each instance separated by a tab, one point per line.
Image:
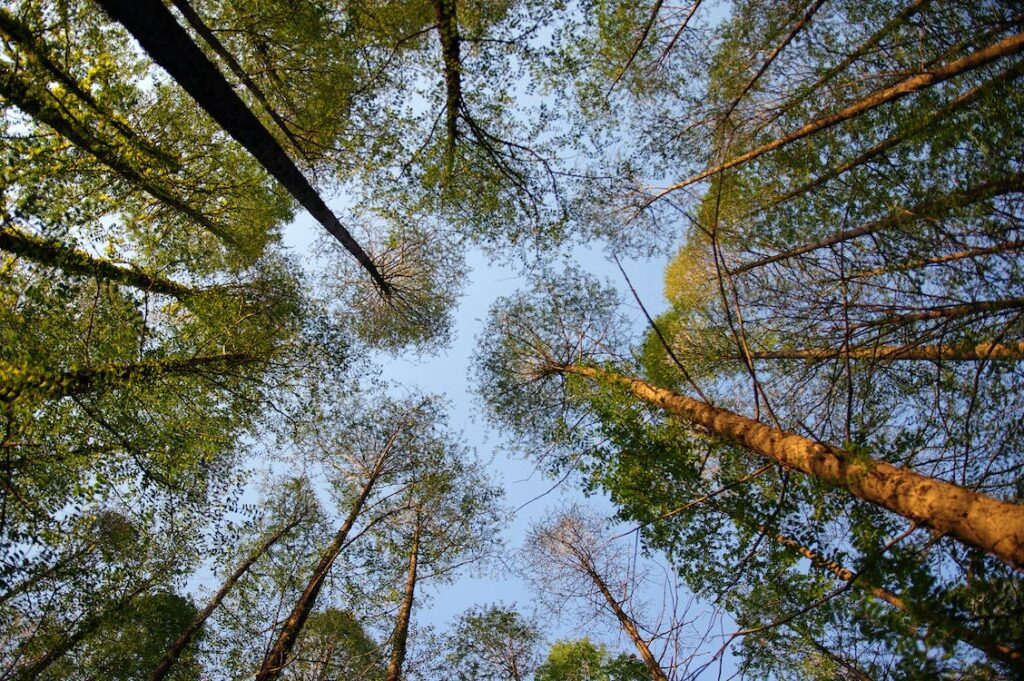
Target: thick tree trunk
21	382
981	352
156	29
172	654
208	36
1010	184
401	636
994	526
975	60
51	253
277	656
445	13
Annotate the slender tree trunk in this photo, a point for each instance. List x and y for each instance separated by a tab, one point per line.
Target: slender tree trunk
43	109
32	580
944	312
926	615
86	628
401	635
1010	184
210	38
51	253
939	259
935	353
156	29
37	52
20	382
628	625
918	126
174	652
277	656
975	60
994	526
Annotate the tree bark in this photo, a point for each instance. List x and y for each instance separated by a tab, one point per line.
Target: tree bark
160	35
991	525
43	109
36	51
926	209
448	29
401	635
987	55
172	654
981	352
277	656
52	253
18	383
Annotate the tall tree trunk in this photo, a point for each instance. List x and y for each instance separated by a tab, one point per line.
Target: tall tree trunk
21	382
1010	184
172	654
939	259
210	38
888	353
156	29
89	625
277	656
446	15
943	312
43	108
627	623
994	526
945	624
37	52
52	253
987	55
401	636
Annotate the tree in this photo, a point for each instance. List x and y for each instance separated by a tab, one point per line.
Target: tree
492	643
585	661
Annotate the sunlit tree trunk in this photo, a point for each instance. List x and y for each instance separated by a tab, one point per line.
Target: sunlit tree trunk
71	260
277	656
400	638
935	353
174	652
18	383
987	55
994	526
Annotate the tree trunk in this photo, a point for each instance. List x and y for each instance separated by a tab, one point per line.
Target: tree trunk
277	656
51	253
987	55
943	623
172	654
401	635
36	51
628	625
981	352
87	627
994	526
44	109
20	382
210	38
448	29
926	209
160	35
939	259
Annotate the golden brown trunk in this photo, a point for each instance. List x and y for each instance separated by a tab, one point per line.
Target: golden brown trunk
277	656
936	353
172	654
401	636
1006	47
994	526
